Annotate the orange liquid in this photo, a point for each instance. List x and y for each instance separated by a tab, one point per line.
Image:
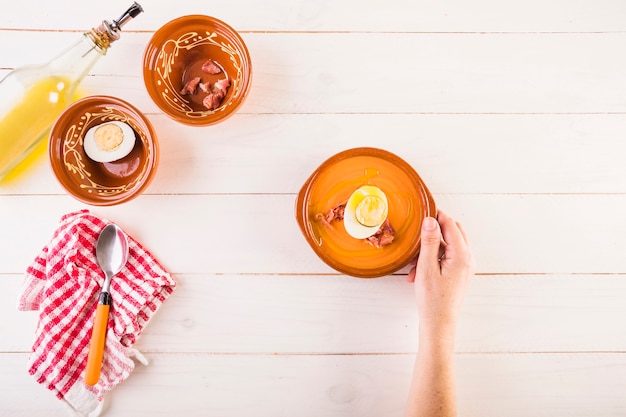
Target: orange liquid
28	122
406	201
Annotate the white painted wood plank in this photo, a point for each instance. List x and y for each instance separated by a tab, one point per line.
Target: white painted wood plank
340	315
541	385
525	90
390	72
491	154
535	385
258	233
395	15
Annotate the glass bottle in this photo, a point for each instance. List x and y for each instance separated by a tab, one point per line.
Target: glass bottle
32	97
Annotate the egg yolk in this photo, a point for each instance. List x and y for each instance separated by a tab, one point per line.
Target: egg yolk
108	137
371	211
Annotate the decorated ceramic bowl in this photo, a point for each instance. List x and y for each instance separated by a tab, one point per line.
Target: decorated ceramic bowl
93	181
197	70
323	208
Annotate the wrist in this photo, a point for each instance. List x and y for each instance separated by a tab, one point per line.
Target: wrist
439	339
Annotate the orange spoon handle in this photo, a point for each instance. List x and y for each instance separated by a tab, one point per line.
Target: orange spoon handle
96	346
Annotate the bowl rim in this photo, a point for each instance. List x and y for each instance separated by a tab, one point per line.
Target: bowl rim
55	140
150	55
301	213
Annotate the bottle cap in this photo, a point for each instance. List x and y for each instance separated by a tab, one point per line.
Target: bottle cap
114	28
109	32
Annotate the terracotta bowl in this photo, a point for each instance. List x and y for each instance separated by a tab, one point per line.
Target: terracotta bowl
175	55
332	183
102	183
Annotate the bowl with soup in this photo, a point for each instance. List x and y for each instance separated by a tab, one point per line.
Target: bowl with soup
361	212
103	151
197	69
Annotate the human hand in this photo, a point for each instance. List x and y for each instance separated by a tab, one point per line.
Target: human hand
441	276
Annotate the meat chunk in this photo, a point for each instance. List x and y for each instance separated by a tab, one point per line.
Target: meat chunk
190	86
335	213
210	67
212	101
217	92
222	86
383	236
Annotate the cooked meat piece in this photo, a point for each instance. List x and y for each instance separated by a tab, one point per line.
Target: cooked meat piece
335	213
210	67
206	87
384	236
221	86
190	86
320	217
212	101
216	94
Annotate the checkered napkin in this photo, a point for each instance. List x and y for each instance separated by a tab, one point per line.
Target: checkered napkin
63	284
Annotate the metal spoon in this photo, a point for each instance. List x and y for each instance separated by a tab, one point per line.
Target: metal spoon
112	254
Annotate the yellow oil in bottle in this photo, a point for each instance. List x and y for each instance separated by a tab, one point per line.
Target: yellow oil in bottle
31	118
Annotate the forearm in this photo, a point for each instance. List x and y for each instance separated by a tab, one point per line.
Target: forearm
432	392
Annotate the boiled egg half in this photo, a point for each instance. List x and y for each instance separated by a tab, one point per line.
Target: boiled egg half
366	210
109	141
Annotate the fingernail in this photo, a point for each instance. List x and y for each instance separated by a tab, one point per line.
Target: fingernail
429	224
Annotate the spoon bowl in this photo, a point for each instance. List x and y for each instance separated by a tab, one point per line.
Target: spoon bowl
111	252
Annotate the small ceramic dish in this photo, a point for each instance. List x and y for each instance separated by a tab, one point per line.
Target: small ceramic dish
175	56
102	183
332	183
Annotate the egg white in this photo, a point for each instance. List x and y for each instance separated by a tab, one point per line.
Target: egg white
99	155
350	222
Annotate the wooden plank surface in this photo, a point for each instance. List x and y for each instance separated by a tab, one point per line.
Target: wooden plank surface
342	385
519	154
423	73
345	15
510	233
514	115
333	314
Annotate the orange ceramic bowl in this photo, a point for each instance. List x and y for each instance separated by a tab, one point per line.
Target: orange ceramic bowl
102	183
332	183
175	55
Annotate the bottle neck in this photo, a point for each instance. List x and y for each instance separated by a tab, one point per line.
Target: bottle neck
76	61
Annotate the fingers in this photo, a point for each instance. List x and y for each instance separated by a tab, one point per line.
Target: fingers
460	226
442	239
430	243
452	233
411	276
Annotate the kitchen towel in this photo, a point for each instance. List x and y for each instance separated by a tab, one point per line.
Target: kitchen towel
63	284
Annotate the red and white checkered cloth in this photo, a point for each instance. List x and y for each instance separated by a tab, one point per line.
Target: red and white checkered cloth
63	284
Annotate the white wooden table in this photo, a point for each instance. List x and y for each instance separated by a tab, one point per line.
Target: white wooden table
514	113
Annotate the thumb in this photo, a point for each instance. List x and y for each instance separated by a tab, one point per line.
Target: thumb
430	242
